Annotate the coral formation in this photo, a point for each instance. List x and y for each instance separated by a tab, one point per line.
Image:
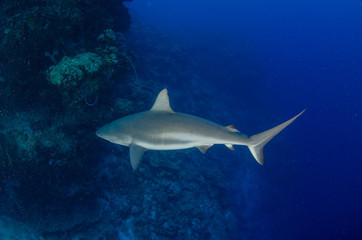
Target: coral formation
69	72
30	29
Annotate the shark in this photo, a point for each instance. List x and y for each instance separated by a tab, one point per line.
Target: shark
160	128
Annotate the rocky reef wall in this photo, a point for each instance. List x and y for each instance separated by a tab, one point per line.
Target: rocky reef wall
58	60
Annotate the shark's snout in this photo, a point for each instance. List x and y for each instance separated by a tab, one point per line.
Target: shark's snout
100	133
105	133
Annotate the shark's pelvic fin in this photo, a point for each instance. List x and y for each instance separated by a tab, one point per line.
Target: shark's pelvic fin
258	141
136	154
204	148
162	102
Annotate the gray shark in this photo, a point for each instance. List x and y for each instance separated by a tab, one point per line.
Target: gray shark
161	128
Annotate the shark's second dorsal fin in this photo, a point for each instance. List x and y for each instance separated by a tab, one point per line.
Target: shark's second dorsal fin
231	128
162	102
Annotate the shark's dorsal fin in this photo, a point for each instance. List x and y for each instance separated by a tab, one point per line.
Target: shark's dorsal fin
162	102
136	154
204	148
232	128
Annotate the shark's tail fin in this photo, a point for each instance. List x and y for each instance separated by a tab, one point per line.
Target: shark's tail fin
258	141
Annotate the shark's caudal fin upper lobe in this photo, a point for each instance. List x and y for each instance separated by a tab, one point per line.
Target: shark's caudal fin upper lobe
258	141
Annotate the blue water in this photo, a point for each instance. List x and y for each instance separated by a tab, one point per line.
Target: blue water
68	68
269	60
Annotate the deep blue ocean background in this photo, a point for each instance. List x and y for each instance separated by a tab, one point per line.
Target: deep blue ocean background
265	61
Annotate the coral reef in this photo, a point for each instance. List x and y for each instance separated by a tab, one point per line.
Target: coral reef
51	63
34	30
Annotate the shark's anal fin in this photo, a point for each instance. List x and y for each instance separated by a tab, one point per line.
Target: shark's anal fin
230	146
136	154
204	148
162	102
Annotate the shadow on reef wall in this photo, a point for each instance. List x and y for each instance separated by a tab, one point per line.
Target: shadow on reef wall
58	60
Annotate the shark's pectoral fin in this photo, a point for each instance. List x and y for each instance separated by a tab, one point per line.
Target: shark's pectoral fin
204	148
136	154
